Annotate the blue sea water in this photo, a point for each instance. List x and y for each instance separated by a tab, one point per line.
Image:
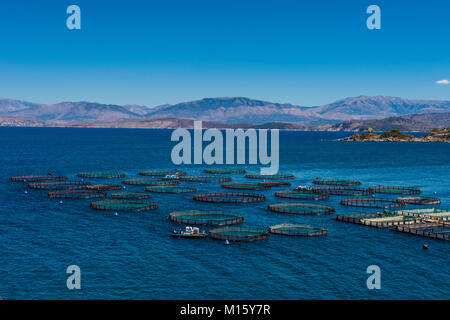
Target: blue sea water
132	256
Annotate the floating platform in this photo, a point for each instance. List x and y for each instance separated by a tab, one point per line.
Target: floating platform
245	186
77	194
433	213
37	178
301	208
58	185
230	197
150	182
377	219
434	230
420	201
395	190
171	189
206	217
104	187
279	176
336	182
275	183
162	173
344	191
101	175
225	171
131	195
124	205
244	234
292	229
302	195
373	203
206	179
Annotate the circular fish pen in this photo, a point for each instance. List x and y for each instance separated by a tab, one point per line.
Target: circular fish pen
205	179
373	203
124	205
225	171
244	234
150	182
58	185
419	200
37	178
395	190
245	186
171	189
206	217
292	229
279	176
336	182
344	191
101	175
131	195
275	183
104	187
301	208
162	173
77	194
302	195
229	197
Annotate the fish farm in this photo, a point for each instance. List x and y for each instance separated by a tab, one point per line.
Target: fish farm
162	173
433	213
124	205
395	190
279	176
57	185
101	175
206	217
77	194
37	178
205	179
292	229
245	186
225	171
373	203
419	201
104	187
302	195
382	219
343	191
150	182
170	189
275	183
228	197
131	195
244	234
336	182
301	208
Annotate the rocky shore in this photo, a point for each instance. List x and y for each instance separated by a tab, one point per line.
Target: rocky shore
396	135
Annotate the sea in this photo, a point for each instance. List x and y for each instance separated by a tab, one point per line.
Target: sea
132	255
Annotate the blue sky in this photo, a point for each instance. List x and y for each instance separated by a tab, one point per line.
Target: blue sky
168	51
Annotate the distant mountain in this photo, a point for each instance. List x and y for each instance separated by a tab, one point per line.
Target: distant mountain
9	105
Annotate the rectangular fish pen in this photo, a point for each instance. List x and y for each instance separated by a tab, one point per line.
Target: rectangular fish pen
432	213
377	219
434	230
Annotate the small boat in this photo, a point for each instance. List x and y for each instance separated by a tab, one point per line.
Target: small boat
171	176
190	232
302	188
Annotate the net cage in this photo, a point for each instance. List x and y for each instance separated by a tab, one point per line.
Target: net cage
431	213
419	201
343	191
293	229
373	203
302	195
301	208
131	195
230	197
205	179
336	182
162	173
171	189
279	176
101	175
150	182
395	190
436	230
245	234
124	205
245	186
58	185
225	171
206	217
104	187
275	183
377	219
37	178
77	194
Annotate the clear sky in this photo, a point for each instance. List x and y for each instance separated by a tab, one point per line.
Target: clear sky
167	51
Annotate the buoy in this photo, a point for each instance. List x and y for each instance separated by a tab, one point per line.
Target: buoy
425	246
60	202
226	242
435	192
26	192
124	187
116	214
